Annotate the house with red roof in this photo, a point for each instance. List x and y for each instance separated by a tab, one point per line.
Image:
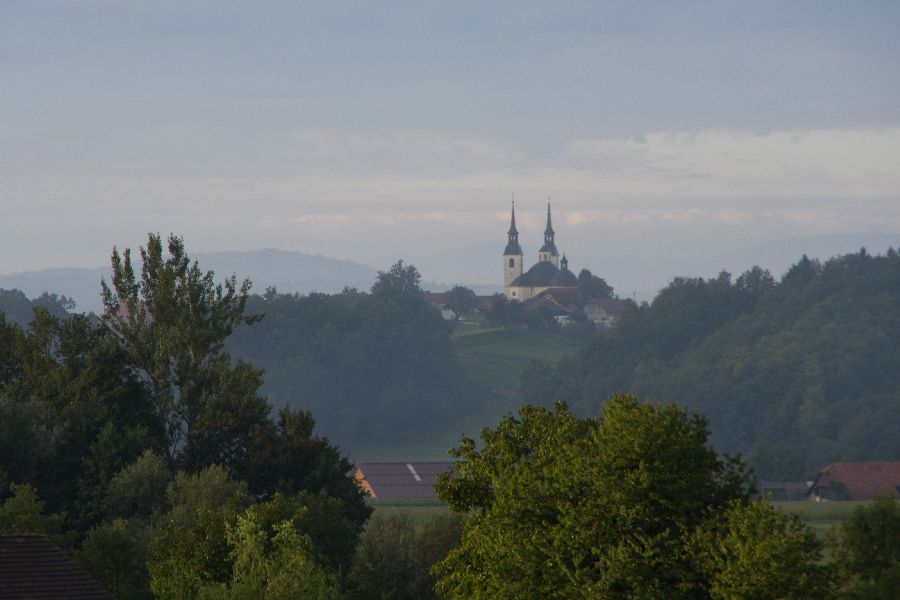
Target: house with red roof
400	480
855	481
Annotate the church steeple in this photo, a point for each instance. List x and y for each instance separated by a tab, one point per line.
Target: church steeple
512	255
548	252
548	231
512	245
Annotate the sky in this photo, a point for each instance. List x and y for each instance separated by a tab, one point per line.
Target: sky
373	130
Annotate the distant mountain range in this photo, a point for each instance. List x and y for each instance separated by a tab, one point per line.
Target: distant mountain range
633	276
285	270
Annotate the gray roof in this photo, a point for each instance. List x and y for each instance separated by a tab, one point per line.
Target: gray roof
541	274
512	248
549	247
402	480
564	278
31	567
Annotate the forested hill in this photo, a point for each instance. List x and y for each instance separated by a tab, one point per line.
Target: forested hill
374	368
793	373
17	308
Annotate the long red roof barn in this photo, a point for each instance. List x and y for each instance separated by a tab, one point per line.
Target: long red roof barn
400	480
856	481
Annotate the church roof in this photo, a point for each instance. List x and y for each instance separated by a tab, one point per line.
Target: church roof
549	247
512	249
541	274
564	278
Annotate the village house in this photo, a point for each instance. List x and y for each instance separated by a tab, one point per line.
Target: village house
400	480
855	481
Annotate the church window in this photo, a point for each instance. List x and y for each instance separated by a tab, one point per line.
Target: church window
512	263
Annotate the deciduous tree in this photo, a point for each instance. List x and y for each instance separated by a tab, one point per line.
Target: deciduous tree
173	319
561	507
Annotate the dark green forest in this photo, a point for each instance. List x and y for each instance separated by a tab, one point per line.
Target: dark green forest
375	368
143	444
794	373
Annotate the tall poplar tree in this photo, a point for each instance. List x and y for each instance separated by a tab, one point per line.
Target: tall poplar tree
173	318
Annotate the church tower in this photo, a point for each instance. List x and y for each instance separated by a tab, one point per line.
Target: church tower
512	255
548	252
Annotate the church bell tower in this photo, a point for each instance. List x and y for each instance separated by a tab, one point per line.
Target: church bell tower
548	252
512	255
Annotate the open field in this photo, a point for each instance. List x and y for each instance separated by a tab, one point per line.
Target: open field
496	357
821	516
493	358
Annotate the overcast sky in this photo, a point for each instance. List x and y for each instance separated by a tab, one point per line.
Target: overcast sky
370	130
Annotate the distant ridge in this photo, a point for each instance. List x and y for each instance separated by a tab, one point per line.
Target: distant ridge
286	270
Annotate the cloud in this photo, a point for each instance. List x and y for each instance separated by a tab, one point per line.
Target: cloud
415	188
850	163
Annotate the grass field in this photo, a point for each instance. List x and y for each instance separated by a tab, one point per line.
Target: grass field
494	359
821	516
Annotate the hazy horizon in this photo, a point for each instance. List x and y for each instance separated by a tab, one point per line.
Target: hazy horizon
373	132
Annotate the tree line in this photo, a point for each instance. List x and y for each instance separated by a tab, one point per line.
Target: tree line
375	367
140	446
794	373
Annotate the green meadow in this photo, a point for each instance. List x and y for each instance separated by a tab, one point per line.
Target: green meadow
493	359
821	516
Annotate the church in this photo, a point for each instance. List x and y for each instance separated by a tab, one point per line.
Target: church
548	272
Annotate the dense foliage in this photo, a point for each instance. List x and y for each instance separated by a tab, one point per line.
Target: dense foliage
118	437
866	551
373	367
630	505
394	558
795	373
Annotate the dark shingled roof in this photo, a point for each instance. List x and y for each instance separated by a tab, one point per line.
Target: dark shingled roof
549	247
544	274
541	274
400	480
561	300
856	480
564	278
32	568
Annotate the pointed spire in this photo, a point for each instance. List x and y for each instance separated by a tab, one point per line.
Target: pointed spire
512	245
549	236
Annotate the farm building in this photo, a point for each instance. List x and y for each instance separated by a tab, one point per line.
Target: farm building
855	481
31	566
400	480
